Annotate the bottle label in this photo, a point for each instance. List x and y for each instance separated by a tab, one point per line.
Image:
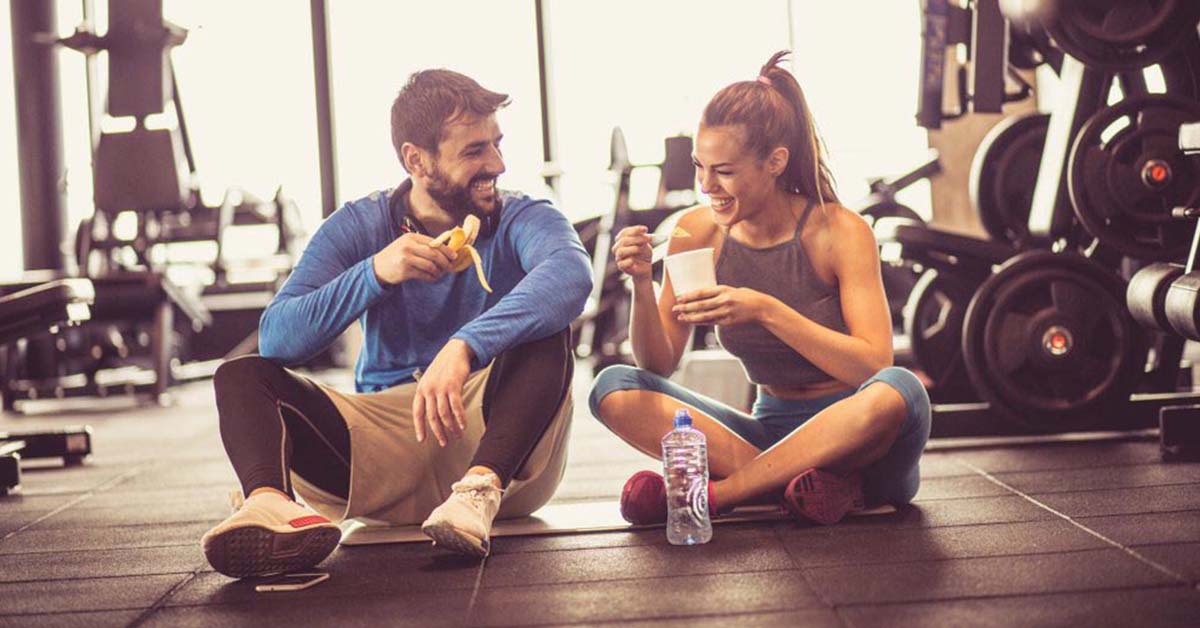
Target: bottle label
698	500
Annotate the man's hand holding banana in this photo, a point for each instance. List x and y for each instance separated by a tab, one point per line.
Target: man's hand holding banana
417	256
412	257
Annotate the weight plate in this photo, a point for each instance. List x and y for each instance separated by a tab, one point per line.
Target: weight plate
1047	341
1126	173
1002	175
933	320
1118	35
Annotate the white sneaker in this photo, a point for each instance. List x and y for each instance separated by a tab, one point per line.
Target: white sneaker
463	523
268	534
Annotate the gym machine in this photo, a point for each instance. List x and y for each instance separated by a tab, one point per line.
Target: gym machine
1029	330
899	275
152	313
603	329
54	304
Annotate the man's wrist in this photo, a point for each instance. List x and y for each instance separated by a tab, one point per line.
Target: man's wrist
460	347
375	269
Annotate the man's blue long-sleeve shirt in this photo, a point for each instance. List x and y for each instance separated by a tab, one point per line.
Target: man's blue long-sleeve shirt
534	261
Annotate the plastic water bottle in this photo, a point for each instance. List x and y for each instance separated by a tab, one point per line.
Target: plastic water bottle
685	468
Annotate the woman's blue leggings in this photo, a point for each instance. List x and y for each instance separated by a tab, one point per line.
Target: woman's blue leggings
893	479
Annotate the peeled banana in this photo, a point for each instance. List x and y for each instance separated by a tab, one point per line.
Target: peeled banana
461	239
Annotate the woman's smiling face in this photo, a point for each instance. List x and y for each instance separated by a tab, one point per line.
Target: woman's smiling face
735	181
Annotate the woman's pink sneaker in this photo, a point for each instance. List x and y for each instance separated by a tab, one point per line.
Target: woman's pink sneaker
644	499
823	496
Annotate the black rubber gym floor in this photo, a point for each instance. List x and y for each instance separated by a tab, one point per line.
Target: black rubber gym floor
1080	533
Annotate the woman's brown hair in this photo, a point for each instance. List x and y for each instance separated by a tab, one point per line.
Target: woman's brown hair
773	112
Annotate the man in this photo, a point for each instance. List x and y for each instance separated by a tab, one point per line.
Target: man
443	378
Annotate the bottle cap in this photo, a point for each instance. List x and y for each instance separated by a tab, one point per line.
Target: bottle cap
682	418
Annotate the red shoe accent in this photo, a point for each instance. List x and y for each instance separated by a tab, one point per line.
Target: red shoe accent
712	503
300	522
644	499
822	496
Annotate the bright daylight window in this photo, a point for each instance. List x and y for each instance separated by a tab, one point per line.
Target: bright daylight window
859	70
245	74
653	75
376	46
10	198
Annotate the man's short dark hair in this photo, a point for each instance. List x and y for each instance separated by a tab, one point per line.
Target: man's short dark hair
433	98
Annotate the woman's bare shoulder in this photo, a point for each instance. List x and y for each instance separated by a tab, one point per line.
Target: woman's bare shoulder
847	224
695	230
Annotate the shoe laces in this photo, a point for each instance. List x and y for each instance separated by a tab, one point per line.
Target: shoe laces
476	489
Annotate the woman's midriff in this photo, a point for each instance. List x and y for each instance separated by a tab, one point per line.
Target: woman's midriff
807	392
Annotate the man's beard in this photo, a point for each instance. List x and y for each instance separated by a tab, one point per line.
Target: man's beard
457	199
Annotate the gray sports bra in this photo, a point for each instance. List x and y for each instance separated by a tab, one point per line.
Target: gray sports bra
784	272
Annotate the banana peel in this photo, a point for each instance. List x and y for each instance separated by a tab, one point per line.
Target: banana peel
461	239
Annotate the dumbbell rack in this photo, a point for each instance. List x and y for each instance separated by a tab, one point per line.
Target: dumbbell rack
1179	423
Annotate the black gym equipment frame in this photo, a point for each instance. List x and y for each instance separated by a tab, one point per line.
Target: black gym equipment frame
39	134
47	306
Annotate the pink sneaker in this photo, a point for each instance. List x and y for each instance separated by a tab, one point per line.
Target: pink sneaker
644	499
823	496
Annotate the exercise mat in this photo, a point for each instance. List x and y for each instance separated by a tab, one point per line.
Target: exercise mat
569	518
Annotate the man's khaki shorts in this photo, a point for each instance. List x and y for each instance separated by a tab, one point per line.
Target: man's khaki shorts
396	480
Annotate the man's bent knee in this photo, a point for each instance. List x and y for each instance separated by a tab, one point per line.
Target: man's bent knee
239	372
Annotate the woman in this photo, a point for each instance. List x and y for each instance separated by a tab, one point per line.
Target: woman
799	302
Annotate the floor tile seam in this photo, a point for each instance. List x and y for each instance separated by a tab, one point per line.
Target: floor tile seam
1083	467
181	522
743	572
971	597
1004	596
96	549
162	599
1086	467
826	602
626	620
1061	492
603	547
943	559
475	590
320	595
1142	514
576	549
140	524
122	609
1124	548
840	531
164	504
1061	552
926	500
130	473
1194	541
933	527
102	577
